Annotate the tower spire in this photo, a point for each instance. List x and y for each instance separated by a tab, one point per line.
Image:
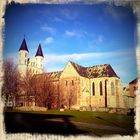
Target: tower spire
39	51
23	45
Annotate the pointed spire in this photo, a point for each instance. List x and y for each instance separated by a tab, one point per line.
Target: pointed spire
23	45
39	51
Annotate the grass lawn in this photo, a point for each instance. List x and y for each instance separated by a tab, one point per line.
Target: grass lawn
69	122
101	118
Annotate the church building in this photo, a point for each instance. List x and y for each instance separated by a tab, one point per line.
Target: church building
96	88
34	65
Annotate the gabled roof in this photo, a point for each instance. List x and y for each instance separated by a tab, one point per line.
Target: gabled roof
80	69
23	46
51	75
134	81
104	70
39	51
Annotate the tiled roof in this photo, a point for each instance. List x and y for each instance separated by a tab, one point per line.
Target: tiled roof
51	75
39	51
104	70
88	72
23	46
55	75
80	69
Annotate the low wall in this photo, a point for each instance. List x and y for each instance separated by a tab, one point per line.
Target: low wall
103	109
31	108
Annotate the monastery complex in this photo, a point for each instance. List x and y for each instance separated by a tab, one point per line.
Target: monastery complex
96	88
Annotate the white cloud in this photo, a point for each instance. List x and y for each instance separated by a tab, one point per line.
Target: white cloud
54	58
76	33
48	40
57	19
54	68
48	29
70	33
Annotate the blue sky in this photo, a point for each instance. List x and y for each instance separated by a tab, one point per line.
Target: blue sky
86	34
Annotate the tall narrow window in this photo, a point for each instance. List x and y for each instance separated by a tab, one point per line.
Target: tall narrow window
112	88
101	90
72	82
66	82
93	89
106	93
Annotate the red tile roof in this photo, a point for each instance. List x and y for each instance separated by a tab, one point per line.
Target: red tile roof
104	70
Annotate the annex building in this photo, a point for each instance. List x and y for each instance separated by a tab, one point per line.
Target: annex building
96	88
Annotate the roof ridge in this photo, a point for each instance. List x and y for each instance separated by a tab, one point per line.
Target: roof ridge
97	65
77	64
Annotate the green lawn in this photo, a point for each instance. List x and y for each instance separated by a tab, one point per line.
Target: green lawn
102	118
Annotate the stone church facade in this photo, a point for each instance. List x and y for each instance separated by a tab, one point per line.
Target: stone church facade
78	87
89	88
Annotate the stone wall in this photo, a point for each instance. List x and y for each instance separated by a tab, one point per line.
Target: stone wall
69	92
69	87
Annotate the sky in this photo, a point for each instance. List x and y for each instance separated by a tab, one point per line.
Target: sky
85	34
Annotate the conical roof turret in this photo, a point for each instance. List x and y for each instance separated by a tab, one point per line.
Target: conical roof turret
39	51
24	46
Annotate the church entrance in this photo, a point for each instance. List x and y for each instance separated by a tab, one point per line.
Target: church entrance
105	93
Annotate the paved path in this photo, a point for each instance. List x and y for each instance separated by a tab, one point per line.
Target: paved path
97	126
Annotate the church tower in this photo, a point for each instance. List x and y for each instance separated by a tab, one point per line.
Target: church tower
39	59
23	58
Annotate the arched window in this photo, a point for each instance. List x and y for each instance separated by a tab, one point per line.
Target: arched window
101	89
93	89
112	88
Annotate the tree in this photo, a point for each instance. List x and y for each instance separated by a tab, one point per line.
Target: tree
68	96
39	86
11	81
44	90
70	99
26	85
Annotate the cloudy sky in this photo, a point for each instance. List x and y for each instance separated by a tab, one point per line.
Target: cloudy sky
86	34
